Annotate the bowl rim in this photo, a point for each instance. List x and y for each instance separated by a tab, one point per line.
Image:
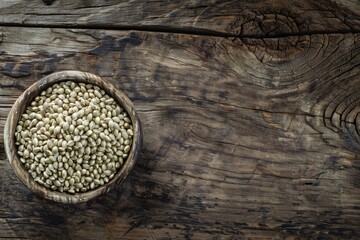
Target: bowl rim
23	101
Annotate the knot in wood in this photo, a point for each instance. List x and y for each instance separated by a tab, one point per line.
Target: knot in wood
337	116
271	24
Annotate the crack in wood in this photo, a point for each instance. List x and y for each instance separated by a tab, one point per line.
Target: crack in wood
185	30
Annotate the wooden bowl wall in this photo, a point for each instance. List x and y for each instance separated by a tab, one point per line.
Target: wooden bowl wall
27	97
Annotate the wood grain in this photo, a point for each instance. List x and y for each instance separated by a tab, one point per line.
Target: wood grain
225	18
242	137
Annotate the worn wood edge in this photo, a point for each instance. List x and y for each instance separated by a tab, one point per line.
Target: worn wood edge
225	19
20	106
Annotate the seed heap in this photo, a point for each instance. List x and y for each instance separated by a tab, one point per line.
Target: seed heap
73	137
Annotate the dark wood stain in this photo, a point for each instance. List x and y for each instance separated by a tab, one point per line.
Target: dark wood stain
111	44
49	2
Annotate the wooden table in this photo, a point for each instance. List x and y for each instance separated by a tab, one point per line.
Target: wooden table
250	113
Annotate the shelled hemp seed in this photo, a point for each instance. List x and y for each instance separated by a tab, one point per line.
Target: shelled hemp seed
73	137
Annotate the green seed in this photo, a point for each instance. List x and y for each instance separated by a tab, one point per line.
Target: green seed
38	116
107	172
64	173
66	126
71	181
26	153
56	165
97	93
70	143
35	142
102	135
71	128
89	117
77	179
86	166
130	132
124	135
64	145
127	149
73	94
57	130
126	119
70	171
88	179
55	150
57	183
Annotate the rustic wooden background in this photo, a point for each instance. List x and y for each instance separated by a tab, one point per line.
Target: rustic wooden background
250	113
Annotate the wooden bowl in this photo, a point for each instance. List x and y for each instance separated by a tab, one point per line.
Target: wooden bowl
27	97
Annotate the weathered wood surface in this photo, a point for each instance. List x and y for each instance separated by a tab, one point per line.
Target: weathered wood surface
251	136
227	18
242	137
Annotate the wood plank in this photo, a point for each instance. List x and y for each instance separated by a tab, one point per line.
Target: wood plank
241	136
226	18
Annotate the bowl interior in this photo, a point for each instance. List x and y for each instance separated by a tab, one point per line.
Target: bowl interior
21	105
